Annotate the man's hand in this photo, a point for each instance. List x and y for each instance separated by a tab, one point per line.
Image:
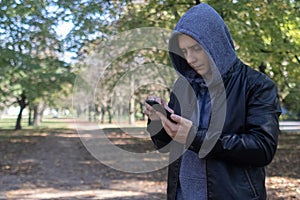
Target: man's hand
151	112
179	132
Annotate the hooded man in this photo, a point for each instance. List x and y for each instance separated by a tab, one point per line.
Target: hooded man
226	115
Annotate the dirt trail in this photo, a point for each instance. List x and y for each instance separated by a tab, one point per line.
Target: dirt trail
58	166
54	164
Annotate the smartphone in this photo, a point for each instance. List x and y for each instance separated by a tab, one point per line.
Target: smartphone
158	107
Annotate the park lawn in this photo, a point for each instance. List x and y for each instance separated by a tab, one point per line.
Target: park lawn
48	126
10	123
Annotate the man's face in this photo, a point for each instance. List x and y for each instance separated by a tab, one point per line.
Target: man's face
195	55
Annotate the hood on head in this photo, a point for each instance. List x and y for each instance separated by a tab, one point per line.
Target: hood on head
207	27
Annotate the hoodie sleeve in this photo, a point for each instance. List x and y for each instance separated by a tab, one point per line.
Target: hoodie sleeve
255	146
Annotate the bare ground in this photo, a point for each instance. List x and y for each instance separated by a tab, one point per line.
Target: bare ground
54	164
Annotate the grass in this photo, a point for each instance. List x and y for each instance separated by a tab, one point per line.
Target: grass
49	125
10	123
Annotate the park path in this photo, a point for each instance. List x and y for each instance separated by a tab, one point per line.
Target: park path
290	126
56	165
41	165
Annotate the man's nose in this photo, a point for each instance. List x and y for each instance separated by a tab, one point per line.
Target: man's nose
190	58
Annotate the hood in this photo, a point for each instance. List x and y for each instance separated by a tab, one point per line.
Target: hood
207	27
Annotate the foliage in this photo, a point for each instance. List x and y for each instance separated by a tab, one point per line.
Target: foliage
292	100
265	33
30	57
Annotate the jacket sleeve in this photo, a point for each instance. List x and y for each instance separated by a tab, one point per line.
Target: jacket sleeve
256	146
158	135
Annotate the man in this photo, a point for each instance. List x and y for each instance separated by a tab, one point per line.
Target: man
225	113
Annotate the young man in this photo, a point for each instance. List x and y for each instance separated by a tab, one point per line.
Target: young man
226	115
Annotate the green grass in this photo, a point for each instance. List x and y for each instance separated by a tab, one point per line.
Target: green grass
48	126
10	123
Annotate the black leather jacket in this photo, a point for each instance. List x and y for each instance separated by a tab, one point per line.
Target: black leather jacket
235	165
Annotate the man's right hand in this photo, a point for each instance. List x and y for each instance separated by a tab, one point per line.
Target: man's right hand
150	111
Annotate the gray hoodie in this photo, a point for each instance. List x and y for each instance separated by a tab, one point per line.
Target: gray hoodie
206	26
215	39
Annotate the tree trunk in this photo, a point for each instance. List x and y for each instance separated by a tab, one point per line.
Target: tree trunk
22	103
41	113
36	121
103	110
131	110
132	101
19	119
38	111
30	122
142	111
97	112
90	113
109	111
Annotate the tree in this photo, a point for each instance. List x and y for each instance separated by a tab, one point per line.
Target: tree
31	63
266	33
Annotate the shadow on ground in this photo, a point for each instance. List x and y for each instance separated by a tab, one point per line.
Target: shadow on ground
54	164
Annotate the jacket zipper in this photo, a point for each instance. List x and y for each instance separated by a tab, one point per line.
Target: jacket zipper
250	182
